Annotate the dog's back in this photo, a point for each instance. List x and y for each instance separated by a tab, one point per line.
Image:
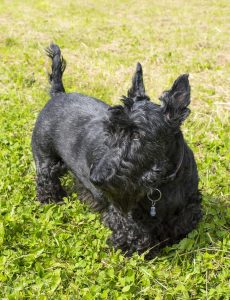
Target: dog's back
64	113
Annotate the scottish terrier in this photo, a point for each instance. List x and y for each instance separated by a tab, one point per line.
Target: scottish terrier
131	160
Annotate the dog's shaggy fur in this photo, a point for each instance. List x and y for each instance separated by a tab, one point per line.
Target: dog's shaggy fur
131	158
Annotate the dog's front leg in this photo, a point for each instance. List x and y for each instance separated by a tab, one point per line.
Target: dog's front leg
127	235
186	221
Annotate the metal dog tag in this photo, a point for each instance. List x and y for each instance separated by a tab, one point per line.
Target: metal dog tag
153	208
152	211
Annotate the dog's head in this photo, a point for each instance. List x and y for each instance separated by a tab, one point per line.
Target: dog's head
141	141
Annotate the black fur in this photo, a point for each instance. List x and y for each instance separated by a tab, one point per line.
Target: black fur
58	68
125	157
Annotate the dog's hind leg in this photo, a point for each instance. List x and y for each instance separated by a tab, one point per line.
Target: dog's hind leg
49	187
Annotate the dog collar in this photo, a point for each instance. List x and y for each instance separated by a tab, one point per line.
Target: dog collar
181	145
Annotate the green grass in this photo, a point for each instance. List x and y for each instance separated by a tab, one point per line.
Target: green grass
59	251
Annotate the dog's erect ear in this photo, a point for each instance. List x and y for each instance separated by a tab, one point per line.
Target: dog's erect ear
175	101
137	90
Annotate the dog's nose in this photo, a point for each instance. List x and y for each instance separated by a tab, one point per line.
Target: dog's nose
96	180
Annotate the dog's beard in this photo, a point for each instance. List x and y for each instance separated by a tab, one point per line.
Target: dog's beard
125	196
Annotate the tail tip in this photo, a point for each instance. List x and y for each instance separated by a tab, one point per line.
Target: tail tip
52	50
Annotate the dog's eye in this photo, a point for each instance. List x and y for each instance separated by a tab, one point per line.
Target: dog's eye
135	136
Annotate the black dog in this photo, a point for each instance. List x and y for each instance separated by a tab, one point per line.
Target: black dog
131	158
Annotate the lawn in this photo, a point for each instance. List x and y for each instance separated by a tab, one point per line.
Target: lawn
59	251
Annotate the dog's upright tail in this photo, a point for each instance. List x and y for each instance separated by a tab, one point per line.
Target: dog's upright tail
58	68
